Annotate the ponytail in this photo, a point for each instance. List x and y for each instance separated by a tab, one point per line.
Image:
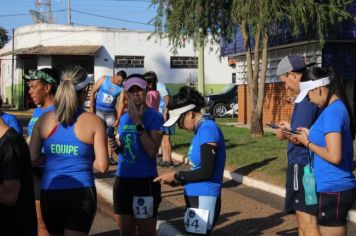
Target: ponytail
66	101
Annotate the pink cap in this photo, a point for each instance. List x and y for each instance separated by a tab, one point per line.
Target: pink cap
135	81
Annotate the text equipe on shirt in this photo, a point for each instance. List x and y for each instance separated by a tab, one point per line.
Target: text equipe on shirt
64	149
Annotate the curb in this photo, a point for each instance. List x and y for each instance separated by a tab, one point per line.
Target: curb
251	182
163	227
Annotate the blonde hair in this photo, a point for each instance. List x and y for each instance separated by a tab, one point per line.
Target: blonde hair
66	101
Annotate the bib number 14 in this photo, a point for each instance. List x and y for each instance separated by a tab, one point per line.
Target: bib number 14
196	220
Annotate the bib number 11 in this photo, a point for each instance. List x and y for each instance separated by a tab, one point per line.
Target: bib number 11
143	207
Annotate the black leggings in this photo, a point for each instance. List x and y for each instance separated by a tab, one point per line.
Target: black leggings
72	209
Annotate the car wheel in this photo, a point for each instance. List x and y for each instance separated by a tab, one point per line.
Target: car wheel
219	110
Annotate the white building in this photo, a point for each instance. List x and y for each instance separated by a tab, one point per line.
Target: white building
102	51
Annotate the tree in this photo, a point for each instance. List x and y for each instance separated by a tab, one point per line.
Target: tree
198	20
4	38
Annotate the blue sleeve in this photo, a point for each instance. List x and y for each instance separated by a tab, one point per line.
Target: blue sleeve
162	90
334	120
17	126
155	122
209	133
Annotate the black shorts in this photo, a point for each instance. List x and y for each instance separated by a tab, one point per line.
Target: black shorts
295	199
213	204
125	189
333	207
37	173
72	209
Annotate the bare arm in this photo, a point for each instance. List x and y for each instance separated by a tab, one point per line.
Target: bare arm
101	162
165	113
9	192
120	107
36	144
95	88
332	152
151	141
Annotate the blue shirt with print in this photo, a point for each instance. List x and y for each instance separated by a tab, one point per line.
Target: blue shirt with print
37	113
208	132
107	95
304	115
11	121
330	177
69	161
134	162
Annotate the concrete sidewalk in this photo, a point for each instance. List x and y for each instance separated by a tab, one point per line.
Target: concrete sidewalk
251	182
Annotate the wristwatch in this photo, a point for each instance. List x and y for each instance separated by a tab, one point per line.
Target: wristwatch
140	129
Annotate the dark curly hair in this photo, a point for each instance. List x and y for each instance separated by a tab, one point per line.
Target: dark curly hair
186	96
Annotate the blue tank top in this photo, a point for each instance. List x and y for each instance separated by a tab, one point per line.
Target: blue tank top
37	113
69	161
107	95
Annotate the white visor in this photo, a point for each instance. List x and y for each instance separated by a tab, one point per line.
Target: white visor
305	87
82	84
176	113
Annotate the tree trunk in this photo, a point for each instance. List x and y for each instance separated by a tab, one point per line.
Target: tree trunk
261	89
250	81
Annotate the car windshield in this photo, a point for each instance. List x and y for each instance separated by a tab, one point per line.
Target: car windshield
227	88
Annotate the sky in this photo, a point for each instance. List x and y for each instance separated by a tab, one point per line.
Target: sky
129	14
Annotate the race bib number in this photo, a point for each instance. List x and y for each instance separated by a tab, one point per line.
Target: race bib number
143	207
196	220
107	98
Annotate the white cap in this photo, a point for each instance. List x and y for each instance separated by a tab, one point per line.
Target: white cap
305	87
176	113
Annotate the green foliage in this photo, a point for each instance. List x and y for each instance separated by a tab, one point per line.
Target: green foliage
266	155
185	20
4	38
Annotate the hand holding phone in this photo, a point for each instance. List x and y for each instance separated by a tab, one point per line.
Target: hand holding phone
273	126
290	132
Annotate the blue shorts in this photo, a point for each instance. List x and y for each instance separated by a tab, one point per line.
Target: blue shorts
295	199
333	207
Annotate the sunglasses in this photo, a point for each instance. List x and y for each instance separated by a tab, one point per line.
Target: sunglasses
181	120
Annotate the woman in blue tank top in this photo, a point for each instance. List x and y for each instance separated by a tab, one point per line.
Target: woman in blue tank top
136	196
207	153
71	138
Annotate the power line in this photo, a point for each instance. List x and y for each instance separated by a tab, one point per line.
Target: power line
25	14
112	18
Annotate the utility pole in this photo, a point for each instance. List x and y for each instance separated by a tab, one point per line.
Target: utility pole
201	76
12	67
69	14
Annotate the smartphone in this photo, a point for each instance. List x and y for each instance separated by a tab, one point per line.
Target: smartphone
290	132
273	126
111	132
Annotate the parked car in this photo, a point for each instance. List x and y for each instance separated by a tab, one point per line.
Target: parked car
218	104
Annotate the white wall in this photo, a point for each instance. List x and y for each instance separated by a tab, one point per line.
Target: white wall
123	42
115	42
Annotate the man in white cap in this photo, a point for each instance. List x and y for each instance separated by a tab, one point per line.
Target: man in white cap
289	71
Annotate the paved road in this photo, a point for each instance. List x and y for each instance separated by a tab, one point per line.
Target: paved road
245	211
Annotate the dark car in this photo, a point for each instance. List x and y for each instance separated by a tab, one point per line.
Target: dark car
218	104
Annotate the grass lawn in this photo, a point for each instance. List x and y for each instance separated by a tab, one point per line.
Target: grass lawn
263	158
